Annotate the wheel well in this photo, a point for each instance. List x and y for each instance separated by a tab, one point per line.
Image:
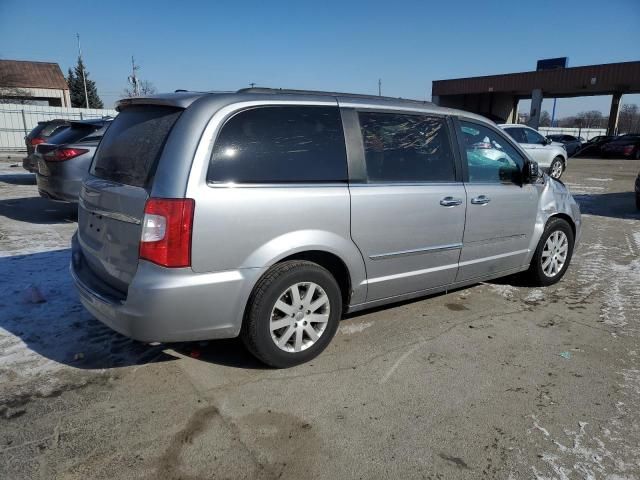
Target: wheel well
568	219
331	262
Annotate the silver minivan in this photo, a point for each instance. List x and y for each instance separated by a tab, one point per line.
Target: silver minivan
268	214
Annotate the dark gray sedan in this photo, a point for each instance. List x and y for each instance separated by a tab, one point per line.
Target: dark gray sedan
62	169
571	144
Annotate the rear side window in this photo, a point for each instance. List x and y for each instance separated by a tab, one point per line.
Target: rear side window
406	148
301	144
517	134
533	136
131	146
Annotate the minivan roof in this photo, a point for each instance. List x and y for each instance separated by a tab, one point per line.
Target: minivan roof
184	99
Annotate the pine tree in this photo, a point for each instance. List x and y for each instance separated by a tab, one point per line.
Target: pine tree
76	88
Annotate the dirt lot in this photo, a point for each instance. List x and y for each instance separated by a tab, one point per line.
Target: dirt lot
493	381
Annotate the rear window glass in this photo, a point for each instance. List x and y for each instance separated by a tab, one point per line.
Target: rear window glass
36	130
72	134
130	148
52	129
280	145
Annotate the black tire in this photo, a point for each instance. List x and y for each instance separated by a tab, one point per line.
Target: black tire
535	273
555	162
256	334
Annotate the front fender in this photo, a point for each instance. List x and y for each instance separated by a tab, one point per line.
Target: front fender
554	200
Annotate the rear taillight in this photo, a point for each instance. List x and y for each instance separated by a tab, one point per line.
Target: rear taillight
166	231
37	141
628	149
62	154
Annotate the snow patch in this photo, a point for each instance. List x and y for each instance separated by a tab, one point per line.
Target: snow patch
534	296
506	291
350	329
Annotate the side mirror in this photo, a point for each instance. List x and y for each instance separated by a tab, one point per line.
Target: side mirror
547	141
533	171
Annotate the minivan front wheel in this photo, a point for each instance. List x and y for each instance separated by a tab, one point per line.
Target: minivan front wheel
553	254
293	314
556	168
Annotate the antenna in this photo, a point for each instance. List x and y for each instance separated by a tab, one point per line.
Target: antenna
84	79
133	78
379	87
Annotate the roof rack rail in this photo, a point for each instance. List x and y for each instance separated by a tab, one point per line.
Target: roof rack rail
292	91
182	90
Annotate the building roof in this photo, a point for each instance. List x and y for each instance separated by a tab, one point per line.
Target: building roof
562	82
27	74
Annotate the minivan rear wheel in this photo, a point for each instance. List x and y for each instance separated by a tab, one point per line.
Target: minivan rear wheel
292	314
553	254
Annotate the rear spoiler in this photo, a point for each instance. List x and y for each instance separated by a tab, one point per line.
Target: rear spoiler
178	99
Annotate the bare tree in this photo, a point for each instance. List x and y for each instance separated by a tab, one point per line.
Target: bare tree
629	119
545	119
590	119
145	88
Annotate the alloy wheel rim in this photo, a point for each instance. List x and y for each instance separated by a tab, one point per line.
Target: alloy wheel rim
554	253
556	171
299	317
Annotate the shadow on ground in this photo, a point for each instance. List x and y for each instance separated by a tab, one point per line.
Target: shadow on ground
18	178
614	205
38	210
42	317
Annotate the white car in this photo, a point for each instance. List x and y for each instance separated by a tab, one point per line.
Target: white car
551	156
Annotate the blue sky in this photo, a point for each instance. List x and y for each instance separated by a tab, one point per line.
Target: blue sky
344	46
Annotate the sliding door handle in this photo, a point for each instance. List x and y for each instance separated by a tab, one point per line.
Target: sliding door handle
480	200
450	202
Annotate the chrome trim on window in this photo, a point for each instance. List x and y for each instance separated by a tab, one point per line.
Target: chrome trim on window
417	251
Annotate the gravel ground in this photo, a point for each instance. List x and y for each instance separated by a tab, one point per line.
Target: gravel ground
492	381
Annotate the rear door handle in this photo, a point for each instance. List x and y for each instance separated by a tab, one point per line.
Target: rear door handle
480	200
450	202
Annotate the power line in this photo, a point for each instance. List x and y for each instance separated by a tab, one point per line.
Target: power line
84	78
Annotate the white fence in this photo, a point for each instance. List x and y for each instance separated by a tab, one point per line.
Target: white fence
16	121
586	133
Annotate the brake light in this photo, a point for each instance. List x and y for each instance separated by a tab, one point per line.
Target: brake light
63	154
628	149
166	231
37	141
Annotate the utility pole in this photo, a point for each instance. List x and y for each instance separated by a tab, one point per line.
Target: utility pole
133	78
379	87
84	79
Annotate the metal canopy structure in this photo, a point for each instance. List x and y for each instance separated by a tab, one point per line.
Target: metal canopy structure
497	96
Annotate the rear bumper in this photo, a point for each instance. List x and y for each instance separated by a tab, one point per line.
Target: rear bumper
168	305
57	188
